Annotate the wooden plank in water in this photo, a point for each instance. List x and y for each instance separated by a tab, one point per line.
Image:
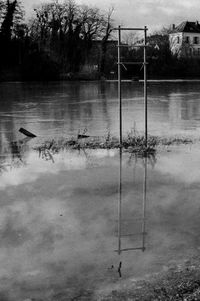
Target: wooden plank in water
82	136
27	133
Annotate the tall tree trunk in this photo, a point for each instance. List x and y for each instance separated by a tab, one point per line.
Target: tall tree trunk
104	42
7	24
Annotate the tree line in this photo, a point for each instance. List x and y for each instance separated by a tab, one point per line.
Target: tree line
72	41
58	39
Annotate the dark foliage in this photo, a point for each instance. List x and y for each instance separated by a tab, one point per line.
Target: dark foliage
72	41
57	42
39	66
7	24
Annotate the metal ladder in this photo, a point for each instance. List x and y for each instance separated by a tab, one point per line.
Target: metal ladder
121	63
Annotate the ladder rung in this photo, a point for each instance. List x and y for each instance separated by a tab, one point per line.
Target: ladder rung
129	46
130	249
133	63
133	234
132	220
138	46
130	28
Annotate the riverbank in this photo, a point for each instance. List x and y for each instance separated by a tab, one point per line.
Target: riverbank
132	143
166	80
177	281
15	76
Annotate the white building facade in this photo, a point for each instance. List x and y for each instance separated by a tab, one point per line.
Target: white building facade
184	40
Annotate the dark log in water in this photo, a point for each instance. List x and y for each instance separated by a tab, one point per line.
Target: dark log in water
27	133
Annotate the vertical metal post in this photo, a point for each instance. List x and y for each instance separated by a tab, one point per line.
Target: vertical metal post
144	205
120	139
120	201
145	85
119	86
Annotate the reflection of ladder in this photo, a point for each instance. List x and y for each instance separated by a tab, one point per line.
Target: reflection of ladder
122	234
124	224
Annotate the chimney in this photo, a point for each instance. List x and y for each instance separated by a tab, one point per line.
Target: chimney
173	26
197	23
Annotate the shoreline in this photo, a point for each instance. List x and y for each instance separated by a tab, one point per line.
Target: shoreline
177	281
131	143
157	80
175	80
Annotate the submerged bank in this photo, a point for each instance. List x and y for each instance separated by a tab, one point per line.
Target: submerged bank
131	143
177	281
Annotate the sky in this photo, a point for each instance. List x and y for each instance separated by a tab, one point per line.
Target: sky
136	13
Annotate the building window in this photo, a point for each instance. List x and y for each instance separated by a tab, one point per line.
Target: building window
187	40
196	40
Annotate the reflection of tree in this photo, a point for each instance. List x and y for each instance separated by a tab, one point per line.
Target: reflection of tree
136	158
48	150
103	96
15	148
184	109
18	150
14	155
46	154
189	110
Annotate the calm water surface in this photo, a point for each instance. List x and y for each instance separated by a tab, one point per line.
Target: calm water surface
66	218
63	108
61	220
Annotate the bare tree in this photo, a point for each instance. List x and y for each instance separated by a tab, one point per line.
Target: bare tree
68	30
11	15
2	10
107	29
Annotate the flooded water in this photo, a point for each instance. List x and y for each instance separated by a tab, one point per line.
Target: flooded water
77	222
67	223
64	108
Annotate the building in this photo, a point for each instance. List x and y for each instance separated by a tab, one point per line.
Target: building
184	39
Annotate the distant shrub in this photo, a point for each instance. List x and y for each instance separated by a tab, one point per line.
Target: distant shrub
39	66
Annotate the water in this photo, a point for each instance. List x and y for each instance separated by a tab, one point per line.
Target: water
63	108
65	218
60	221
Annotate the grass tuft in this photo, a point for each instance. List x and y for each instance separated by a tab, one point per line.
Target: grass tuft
132	143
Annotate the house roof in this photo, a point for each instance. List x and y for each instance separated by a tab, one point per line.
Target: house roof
187	27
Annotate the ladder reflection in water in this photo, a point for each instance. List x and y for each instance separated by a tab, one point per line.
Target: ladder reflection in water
122	221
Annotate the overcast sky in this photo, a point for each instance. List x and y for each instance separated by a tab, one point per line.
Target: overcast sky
153	13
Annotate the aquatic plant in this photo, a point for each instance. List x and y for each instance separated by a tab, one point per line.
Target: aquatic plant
132	142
